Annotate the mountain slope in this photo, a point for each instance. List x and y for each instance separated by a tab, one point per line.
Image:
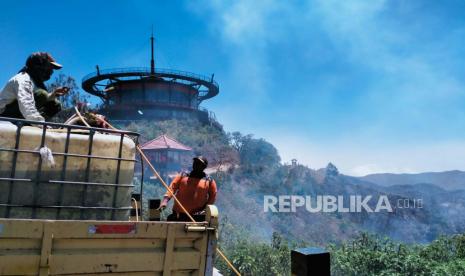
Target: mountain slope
253	170
449	180
243	203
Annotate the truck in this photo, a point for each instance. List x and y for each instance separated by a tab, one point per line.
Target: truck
66	203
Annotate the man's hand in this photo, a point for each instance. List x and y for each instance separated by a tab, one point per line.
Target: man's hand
200	213
42	126
163	203
60	91
162	206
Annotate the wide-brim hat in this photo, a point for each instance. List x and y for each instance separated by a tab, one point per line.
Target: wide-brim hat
53	62
42	58
201	159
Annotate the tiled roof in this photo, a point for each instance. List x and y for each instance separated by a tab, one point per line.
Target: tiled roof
164	142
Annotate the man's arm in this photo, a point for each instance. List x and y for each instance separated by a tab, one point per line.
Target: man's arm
26	102
212	193
174	186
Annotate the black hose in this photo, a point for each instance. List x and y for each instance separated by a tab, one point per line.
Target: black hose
141	187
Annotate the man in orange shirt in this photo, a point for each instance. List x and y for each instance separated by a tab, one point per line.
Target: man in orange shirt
195	191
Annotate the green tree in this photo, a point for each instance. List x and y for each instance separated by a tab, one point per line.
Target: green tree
371	255
257	155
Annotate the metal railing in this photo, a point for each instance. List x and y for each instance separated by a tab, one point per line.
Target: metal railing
147	71
68	129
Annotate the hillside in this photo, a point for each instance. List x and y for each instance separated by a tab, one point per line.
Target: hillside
255	170
440	214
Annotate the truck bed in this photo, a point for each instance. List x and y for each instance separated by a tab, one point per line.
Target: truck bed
53	247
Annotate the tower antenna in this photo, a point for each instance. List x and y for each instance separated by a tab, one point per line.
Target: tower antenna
152	61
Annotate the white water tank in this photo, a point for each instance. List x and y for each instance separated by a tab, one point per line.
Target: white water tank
91	177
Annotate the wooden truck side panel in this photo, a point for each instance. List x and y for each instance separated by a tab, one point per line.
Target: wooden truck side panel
46	247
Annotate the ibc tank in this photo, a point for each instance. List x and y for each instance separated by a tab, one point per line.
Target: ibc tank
90	180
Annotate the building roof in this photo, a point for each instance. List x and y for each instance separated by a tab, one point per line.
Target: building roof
164	142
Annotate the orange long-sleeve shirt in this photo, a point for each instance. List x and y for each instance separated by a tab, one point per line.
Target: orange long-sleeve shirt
193	193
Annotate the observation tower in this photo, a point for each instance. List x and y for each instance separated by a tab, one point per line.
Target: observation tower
151	93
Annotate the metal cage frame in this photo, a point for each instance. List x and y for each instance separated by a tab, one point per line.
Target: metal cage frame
20	123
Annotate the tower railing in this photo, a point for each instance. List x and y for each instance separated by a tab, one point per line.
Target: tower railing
147	71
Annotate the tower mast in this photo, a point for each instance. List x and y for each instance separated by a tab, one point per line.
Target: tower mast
152	61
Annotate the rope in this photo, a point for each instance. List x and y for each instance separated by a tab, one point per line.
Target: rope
80	116
228	262
155	172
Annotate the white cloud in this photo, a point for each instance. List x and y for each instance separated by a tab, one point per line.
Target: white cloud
414	94
243	22
362	159
246	28
410	75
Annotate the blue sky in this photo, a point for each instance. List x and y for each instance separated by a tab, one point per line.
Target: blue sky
372	86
